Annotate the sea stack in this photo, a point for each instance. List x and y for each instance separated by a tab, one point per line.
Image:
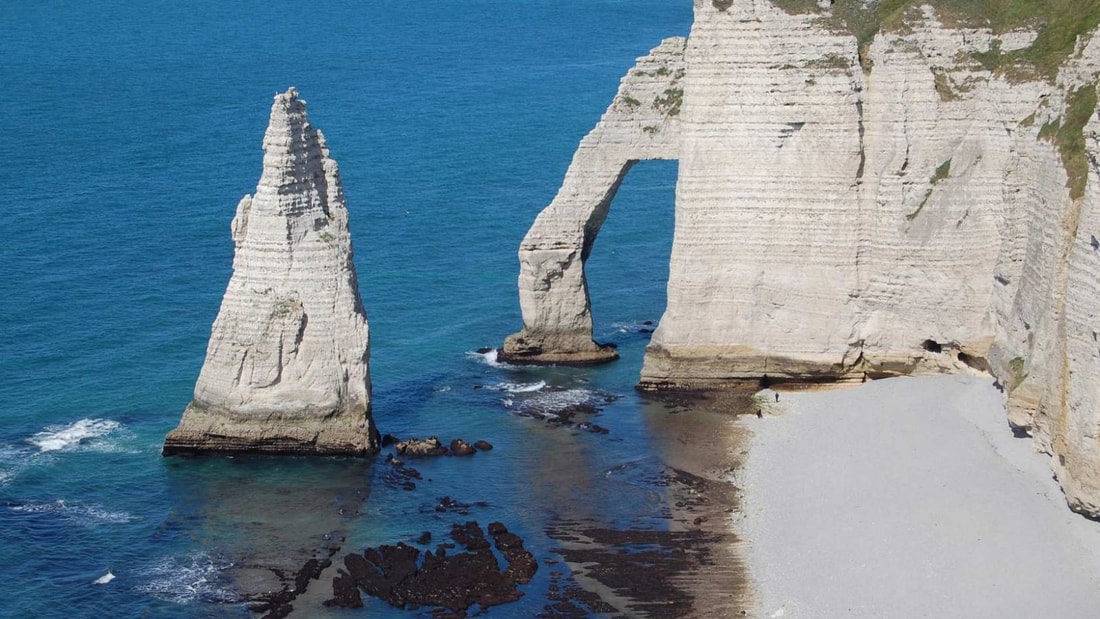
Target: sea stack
287	366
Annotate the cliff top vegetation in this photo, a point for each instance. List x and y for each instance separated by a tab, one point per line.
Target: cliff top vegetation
1057	22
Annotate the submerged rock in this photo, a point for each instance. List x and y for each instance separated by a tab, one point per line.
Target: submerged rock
397	575
460	447
287	366
416	447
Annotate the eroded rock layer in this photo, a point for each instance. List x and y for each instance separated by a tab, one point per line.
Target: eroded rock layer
287	366
844	213
642	123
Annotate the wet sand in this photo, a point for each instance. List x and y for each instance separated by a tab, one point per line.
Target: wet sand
692	565
649	536
909	497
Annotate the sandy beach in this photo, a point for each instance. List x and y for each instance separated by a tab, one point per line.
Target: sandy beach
909	497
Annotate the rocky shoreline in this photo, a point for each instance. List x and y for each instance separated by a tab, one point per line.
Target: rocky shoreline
677	558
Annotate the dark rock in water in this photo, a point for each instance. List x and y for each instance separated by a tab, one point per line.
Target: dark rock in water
425	538
447	504
278	611
452	582
564	416
417	448
483	446
485	350
521	564
459	447
388	439
277	605
591	427
380	571
469	535
476	387
310	571
345	592
568	599
648	323
400	476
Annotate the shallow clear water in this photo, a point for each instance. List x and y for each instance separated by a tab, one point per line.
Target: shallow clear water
132	131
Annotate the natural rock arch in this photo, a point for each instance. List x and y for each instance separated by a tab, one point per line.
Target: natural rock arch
642	123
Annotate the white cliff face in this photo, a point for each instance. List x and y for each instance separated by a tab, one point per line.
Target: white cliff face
909	211
771	154
287	367
641	123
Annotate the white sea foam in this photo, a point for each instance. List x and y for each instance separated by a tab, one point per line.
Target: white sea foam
187	579
12	462
520	387
549	403
79	513
59	438
646	326
104	579
488	358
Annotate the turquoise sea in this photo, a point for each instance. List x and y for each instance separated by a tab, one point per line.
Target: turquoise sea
131	131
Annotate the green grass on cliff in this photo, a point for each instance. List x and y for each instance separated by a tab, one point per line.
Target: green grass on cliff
941	173
1058	22
1068	134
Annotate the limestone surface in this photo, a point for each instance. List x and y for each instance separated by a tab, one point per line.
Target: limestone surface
643	122
287	365
845	213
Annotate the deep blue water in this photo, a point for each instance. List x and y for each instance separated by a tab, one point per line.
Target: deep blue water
131	131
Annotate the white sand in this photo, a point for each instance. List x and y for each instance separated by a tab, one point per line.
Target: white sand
910	497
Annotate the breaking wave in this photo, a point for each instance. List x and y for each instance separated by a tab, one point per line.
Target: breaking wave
78	513
195	578
488	356
553	403
645	326
519	387
85	431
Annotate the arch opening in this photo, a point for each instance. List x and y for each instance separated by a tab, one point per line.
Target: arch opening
627	270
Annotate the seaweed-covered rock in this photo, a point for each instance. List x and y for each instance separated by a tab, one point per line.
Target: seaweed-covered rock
455	581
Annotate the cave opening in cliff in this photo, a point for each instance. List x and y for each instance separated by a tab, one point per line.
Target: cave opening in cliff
627	271
931	346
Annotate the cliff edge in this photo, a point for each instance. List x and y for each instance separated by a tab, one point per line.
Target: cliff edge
866	190
287	366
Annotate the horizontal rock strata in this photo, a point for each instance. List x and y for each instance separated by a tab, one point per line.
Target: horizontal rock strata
641	123
845	213
287	366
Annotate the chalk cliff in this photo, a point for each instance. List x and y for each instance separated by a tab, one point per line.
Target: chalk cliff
643	122
287	366
853	208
